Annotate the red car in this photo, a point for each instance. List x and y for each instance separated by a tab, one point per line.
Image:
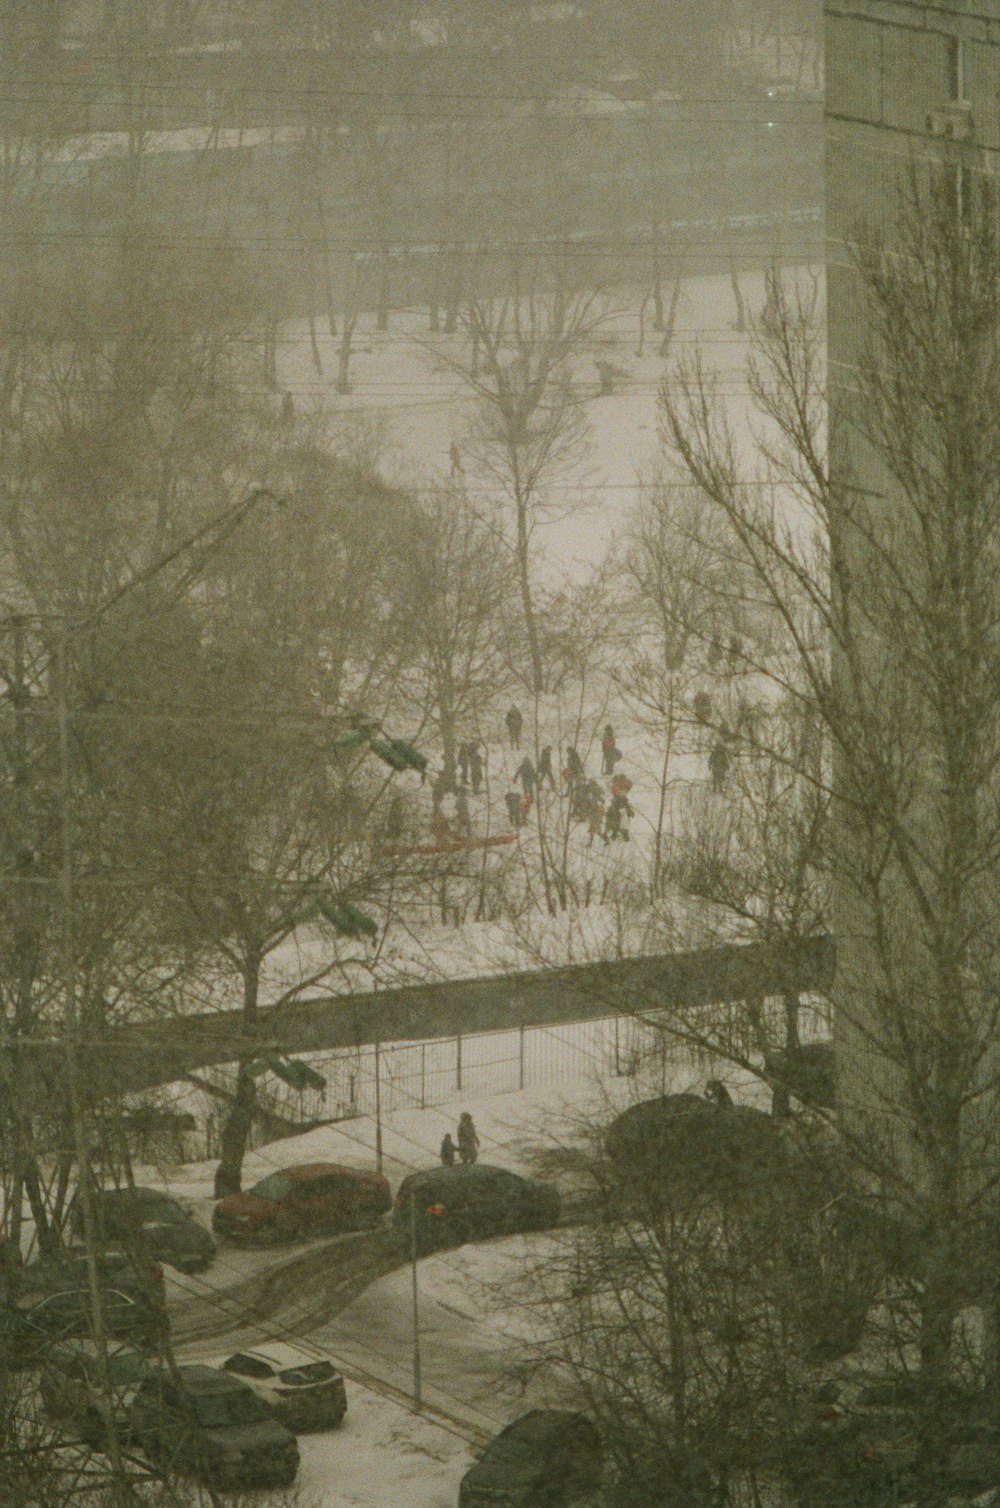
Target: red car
313	1199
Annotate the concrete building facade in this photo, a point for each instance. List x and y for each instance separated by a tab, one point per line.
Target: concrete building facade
913	94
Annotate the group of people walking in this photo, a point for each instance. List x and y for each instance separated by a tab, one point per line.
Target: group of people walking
588	803
467	1149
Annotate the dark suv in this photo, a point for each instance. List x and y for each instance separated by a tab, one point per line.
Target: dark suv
457	1204
546	1459
70	1385
168	1233
312	1199
213	1427
32	1322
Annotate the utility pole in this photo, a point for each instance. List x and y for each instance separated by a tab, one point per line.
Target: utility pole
417	1399
378	1111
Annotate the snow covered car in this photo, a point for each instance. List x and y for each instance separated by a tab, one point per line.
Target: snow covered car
212	1426
304	1392
312	1199
681	1143
168	1232
465	1203
70	1385
548	1458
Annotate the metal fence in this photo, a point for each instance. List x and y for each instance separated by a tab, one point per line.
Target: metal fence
379	1080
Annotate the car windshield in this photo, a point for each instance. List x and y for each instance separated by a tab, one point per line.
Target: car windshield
275	1186
226	1410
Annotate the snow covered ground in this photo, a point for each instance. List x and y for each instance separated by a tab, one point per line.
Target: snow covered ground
385	1455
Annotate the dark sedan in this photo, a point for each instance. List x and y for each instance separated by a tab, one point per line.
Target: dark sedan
209	1425
466	1203
131	1216
547	1458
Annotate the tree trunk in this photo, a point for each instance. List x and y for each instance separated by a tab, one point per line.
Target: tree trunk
734	278
314	345
526	602
382	306
236	1131
343	383
668	332
446	716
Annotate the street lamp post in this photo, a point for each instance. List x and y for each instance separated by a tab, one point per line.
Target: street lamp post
417	1401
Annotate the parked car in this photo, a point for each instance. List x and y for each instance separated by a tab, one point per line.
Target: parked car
808	1071
115	1269
861	1441
304	1392
70	1386
212	1426
31	1323
547	1458
677	1144
463	1203
312	1199
168	1232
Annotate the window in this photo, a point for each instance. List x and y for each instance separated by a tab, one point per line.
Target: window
321	1188
228	1410
275	1186
317	1371
248	1366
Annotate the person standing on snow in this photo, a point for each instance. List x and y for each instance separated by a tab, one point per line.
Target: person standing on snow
574	765
464	761
468	1141
526	775
476	768
545	767
463	821
448	1151
512	801
595	824
718	765
616	824
515	723
609	753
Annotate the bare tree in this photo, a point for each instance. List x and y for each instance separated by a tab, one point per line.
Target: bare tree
890	550
529	430
457	599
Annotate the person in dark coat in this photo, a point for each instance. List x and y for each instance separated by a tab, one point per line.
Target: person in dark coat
609	753
463	821
616	821
702	706
448	1151
464	761
468	1141
595	806
545	767
527	776
574	764
475	768
512	801
439	788
718	765
515	722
